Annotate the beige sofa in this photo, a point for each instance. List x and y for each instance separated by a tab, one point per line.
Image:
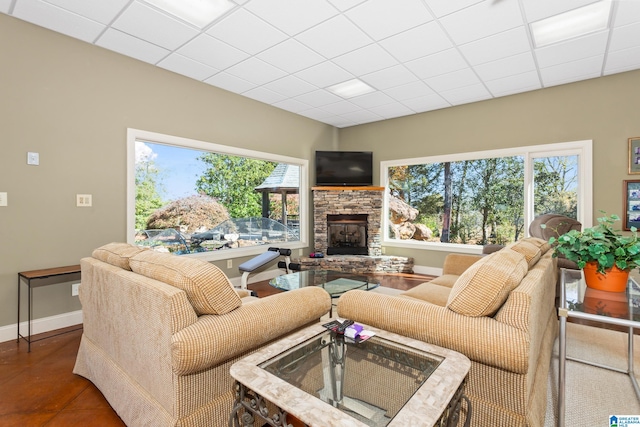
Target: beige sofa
161	332
498	310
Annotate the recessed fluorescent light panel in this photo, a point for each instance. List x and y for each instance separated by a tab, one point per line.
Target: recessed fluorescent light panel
198	12
351	88
574	23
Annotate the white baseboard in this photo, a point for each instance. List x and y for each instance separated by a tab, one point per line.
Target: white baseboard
257	277
429	271
38	326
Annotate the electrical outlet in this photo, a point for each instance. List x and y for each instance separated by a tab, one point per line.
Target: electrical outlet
75	289
3	199
384	250
229	263
300	252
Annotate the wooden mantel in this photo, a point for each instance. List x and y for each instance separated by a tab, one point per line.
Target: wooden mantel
346	187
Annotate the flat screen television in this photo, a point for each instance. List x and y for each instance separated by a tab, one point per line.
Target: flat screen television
344	168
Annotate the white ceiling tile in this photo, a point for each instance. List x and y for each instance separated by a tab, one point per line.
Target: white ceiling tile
390	111
291	56
572	71
467	94
5	5
292	105
256	71
318	98
444	7
334	37
417	42
382	18
264	95
341	107
426	103
131	46
572	50
362	116
316	114
57	19
372	99
98	10
212	52
482	20
290	86
188	67
536	10
339	122
623	60
498	46
389	77
233	30
439	63
325	74
453	80
625	37
153	26
292	16
514	84
627	12
366	60
505	67
408	91
343	5
230	82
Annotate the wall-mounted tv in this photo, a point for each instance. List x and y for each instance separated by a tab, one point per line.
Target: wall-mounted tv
346	168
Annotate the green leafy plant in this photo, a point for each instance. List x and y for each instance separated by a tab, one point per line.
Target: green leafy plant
600	243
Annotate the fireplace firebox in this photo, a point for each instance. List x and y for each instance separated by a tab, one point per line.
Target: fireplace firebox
347	234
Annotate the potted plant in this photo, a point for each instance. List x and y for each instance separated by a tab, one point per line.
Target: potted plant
603	253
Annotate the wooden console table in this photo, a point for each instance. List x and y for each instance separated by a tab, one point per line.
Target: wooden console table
28	276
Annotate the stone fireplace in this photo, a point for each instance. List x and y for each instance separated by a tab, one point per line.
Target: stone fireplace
348	230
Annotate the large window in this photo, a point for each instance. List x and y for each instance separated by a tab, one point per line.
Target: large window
473	199
192	197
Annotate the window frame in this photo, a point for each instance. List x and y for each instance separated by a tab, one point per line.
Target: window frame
134	135
583	149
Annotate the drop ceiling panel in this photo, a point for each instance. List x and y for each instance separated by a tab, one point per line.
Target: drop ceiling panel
57	19
335	37
97	10
383	18
233	30
418	55
482	20
125	44
421	41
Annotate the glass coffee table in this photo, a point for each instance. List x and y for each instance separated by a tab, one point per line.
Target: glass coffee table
335	283
324	379
599	307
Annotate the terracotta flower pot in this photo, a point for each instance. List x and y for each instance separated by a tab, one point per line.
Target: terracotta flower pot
614	280
613	304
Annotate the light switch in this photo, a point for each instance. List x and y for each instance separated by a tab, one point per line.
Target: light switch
3	199
33	158
83	200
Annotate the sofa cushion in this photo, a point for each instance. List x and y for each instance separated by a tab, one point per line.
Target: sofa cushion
117	254
532	248
485	286
207	287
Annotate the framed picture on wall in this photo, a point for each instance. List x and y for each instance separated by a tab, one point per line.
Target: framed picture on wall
631	196
634	155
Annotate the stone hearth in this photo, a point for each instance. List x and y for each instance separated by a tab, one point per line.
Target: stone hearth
352	201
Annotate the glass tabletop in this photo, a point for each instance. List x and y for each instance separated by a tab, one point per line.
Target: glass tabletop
334	282
579	299
370	380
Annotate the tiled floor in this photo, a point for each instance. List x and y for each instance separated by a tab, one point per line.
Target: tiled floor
39	388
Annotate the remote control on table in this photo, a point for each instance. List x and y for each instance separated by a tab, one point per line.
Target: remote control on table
344	326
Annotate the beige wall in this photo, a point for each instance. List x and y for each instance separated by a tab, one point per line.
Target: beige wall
72	103
604	110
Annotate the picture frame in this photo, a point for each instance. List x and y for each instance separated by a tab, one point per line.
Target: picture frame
634	156
631	210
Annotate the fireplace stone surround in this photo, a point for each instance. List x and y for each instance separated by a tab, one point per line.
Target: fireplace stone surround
352	202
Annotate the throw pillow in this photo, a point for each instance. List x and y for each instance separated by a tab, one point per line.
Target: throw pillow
207	287
117	254
485	286
532	248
